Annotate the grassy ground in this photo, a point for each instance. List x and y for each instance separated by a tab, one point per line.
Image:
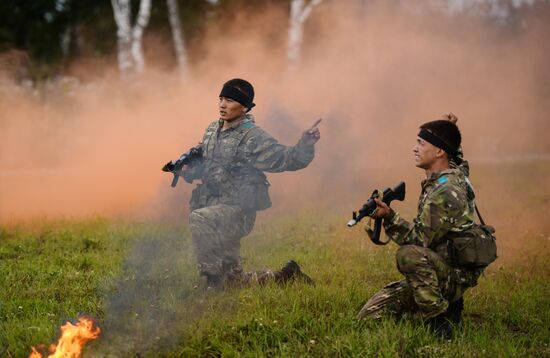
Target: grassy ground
139	281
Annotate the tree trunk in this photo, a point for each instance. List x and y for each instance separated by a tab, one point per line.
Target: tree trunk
130	53
299	12
177	36
121	10
137	34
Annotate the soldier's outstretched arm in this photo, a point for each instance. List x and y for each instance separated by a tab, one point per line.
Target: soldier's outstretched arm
312	134
266	154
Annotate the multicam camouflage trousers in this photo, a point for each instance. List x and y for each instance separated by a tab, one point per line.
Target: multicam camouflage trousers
427	289
217	232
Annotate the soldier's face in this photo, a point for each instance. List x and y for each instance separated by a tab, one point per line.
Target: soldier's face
230	109
425	154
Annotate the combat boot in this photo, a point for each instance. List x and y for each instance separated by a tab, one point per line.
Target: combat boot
454	312
290	272
441	327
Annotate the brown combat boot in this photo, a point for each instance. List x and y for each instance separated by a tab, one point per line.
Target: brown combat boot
291	272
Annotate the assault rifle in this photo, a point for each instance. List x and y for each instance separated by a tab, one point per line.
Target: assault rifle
175	166
369	208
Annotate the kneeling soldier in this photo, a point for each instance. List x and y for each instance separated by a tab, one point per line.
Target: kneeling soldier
236	153
434	285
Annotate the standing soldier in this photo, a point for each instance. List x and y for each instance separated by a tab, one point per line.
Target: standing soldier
236	153
434	282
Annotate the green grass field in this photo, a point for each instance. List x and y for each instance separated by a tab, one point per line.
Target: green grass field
138	280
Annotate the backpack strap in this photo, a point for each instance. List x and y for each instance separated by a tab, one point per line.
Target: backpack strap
479	215
475	205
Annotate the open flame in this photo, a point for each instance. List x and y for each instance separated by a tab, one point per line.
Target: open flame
73	339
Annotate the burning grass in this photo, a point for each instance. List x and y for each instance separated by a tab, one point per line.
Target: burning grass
74	338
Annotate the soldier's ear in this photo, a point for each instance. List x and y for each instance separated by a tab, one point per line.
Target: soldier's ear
440	153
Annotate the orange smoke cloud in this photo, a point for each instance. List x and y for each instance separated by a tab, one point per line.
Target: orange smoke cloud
374	76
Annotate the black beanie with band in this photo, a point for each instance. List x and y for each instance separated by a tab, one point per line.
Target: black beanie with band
438	142
240	91
443	134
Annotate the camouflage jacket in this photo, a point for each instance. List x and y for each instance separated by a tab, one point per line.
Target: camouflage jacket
460	163
234	161
446	206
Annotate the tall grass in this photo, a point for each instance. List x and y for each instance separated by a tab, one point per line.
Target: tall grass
139	281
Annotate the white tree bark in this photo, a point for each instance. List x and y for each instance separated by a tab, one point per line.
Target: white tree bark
299	12
498	9
137	34
177	36
130	53
121	10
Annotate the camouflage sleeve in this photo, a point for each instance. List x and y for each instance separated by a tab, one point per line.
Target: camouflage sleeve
440	213
266	154
400	230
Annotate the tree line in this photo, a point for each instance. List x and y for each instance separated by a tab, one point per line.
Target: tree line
40	38
44	36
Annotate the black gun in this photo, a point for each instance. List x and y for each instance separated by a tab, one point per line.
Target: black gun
389	194
175	166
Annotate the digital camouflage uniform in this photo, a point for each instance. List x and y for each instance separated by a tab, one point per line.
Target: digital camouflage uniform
445	208
233	187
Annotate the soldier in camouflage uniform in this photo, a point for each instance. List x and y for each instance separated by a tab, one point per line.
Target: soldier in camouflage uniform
236	153
433	285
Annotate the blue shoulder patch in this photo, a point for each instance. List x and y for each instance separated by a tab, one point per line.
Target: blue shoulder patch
442	180
248	124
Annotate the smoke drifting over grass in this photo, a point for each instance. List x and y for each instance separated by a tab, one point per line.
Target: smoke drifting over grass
374	73
155	296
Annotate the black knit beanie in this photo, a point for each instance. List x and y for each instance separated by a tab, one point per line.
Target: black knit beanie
240	91
443	134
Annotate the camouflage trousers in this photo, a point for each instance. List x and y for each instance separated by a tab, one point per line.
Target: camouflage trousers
216	233
426	291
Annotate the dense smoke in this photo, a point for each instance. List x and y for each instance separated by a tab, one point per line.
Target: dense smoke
374	73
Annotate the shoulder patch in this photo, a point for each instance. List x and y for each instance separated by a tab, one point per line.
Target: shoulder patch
248	124
442	180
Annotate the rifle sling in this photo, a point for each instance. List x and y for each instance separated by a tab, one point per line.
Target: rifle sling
479	215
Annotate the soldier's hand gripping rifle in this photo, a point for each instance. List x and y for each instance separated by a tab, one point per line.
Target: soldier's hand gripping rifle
387	196
175	166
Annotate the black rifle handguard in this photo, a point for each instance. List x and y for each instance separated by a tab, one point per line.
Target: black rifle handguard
369	208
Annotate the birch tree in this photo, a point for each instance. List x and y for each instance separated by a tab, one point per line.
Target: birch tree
300	10
177	36
130	52
497	9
